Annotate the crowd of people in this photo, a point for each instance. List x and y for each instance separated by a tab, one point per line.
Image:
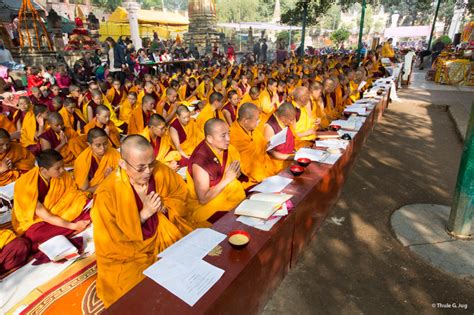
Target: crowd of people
126	133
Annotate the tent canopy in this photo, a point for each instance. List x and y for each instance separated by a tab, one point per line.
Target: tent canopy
120	15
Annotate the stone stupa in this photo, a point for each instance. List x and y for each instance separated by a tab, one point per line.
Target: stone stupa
202	24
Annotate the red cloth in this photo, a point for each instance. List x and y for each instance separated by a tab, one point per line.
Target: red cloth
14	254
289	146
156	145
179	128
205	158
150	225
35	149
229	107
62	80
34	80
50	136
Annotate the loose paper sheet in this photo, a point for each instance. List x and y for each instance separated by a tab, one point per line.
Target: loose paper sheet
196	244
333	144
361	85
312	154
264	225
277	139
272	184
7	191
331	158
345	124
189	279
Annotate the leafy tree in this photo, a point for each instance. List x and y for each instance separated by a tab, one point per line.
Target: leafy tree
332	19
412	12
340	36
316	9
233	11
108	5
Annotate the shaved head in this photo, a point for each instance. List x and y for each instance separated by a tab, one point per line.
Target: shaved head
156	120
55	118
211	125
101	109
4	134
134	143
181	109
286	110
247	111
300	92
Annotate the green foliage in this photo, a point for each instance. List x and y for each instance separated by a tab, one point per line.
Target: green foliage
284	36
412	12
444	39
108	5
233	11
332	19
316	9
340	36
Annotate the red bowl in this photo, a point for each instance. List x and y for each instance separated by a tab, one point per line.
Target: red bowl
335	127
303	161
296	170
238	239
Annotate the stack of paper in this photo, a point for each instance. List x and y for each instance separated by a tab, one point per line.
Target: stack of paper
312	154
272	184
181	269
344	124
264	225
358	110
333	144
277	139
261	205
331	158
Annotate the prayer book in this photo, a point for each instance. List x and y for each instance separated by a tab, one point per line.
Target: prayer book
361	85
324	135
256	208
59	248
277	139
272	184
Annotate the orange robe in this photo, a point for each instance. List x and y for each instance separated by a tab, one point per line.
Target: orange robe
114	136
28	130
318	112
22	161
136	123
255	163
6	124
6	236
63	199
124	249
115	98
208	112
162	150
126	111
204	215
70	120
189	136
84	162
75	144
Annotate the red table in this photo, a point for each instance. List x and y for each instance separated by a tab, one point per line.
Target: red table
253	273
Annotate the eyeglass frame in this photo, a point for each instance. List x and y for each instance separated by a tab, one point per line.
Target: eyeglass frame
150	166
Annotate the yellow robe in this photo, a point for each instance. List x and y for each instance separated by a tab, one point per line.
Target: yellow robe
227	200
69	118
387	51
207	113
126	111
165	154
255	163
354	88
318	112
122	253
28	130
6	124
136	123
194	136
63	200
22	160
305	123
6	236
83	162
202	94
114	136
75	145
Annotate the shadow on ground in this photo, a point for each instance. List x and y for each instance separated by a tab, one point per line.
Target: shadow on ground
412	157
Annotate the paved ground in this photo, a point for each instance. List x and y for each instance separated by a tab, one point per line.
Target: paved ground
360	267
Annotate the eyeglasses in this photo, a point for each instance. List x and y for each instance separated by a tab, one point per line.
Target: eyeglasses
142	168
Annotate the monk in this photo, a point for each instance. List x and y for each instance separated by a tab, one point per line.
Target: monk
14	159
229	111
149	89
188	92
127	107
8	125
98	99
72	116
138	212
204	88
306	124
47	202
387	49
167	107
33	126
102	120
319	113
211	110
285	116
141	115
253	96
156	133
212	176
24	106
116	95
185	134
13	250
64	140
96	162
255	163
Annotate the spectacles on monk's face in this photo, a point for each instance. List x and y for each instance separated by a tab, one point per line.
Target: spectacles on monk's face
142	168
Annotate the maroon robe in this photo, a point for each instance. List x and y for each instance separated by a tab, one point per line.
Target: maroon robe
150	225
50	136
207	160
230	108
179	128
14	254
289	146
156	146
93	168
117	98
19	116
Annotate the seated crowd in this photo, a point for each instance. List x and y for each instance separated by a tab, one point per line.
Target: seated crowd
126	140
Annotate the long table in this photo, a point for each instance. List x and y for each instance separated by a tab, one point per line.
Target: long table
253	273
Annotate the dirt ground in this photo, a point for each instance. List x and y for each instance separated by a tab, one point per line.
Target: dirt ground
359	267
